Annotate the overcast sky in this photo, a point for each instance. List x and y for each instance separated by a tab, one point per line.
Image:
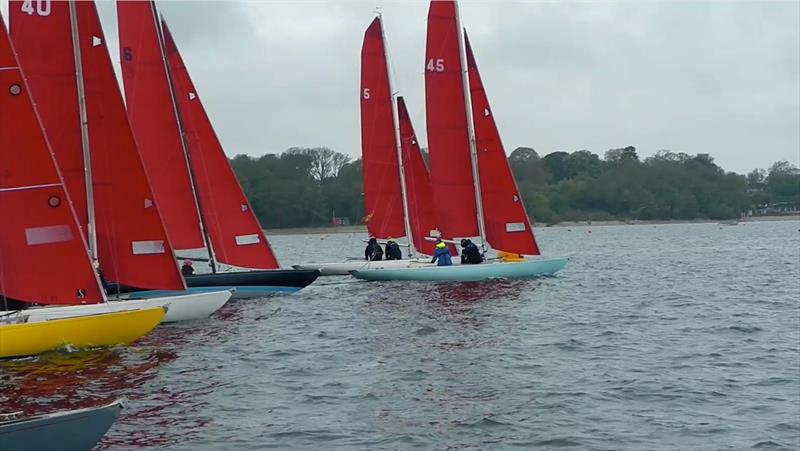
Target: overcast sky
715	77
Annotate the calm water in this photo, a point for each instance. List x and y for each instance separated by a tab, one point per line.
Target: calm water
653	337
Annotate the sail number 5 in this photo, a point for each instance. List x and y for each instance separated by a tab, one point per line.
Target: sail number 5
365	95
42	7
435	65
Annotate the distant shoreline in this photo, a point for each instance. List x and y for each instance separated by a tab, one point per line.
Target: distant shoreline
362	229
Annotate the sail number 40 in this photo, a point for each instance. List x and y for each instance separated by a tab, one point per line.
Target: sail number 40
42	7
436	65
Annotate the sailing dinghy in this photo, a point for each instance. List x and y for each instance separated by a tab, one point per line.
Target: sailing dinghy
474	190
397	187
69	430
202	204
81	107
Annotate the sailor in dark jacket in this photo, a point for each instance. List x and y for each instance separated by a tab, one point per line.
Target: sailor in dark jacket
373	252
393	251
470	254
187	269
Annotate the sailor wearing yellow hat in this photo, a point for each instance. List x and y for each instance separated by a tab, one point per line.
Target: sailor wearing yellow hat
441	255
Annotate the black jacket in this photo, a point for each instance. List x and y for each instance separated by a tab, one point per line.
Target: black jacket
393	251
373	252
471	255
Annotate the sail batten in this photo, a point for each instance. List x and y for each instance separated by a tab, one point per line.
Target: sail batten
115	174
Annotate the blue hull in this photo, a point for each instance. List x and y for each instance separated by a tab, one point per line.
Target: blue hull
76	430
534	267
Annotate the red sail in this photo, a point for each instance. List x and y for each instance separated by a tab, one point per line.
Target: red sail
418	184
152	117
448	140
507	225
54	44
39	228
131	241
382	193
234	231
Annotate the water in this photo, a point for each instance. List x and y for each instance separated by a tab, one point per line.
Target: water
653	337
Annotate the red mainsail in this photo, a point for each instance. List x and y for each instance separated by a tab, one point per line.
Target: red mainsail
448	140
132	244
39	228
154	122
383	197
236	236
418	184
506	223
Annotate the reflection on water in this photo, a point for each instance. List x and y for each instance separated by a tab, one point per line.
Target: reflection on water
673	349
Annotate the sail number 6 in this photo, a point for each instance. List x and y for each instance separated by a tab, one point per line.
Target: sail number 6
435	65
42	7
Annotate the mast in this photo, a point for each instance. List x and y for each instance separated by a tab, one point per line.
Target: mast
473	151
398	145
91	223
182	134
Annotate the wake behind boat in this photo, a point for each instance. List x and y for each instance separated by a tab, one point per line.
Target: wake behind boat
69	430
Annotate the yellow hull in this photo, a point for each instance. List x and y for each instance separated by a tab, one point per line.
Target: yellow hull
105	329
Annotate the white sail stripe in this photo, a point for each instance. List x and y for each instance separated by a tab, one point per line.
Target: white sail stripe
147	247
243	240
30	187
48	234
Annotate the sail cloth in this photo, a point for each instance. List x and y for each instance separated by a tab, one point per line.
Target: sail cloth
506	222
154	122
421	212
448	140
39	231
234	231
132	244
383	197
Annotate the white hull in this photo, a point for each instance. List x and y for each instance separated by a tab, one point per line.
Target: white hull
182	307
344	268
530	267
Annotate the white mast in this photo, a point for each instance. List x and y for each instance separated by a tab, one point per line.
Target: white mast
398	144
91	229
182	134
91	222
473	151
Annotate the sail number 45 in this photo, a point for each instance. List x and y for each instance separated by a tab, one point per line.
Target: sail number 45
42	7
436	65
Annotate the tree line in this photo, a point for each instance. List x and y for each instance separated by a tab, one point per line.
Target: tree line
310	186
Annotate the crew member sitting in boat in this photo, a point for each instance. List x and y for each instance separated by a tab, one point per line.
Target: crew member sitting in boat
441	256
393	251
187	269
373	252
470	254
